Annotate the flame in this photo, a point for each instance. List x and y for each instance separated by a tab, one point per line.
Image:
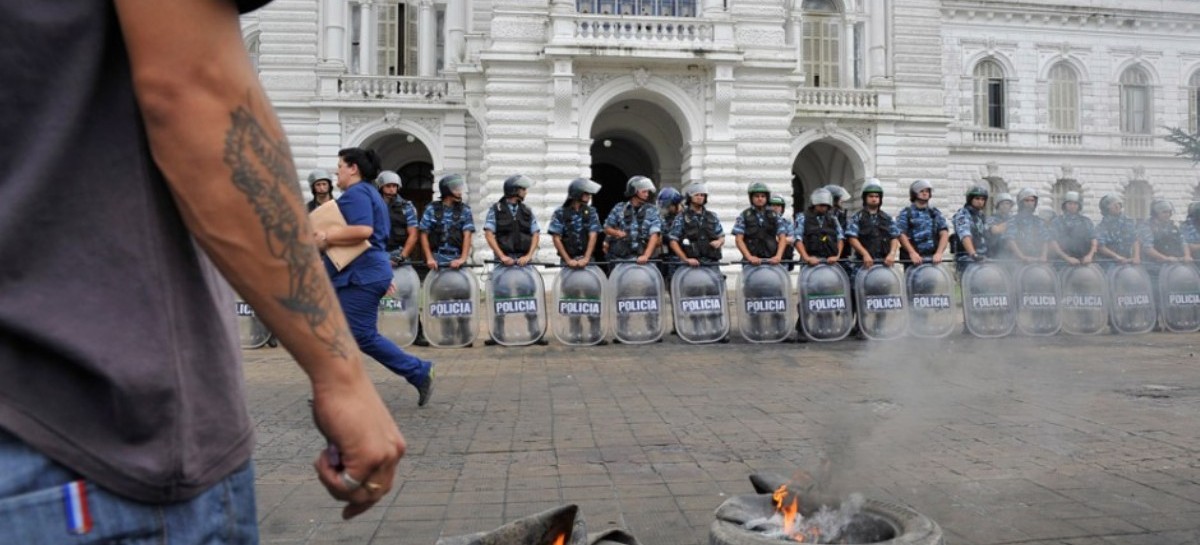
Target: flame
789	513
562	538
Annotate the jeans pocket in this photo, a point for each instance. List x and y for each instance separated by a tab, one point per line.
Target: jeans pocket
76	513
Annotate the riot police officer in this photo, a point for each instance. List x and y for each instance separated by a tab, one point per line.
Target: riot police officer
871	231
320	183
512	232
840	196
924	232
670	202
1074	234
446	230
817	230
634	227
1027	234
574	228
1191	228
403	216
696	236
758	232
778	205
997	225
1117	235
970	226
1165	240
761	237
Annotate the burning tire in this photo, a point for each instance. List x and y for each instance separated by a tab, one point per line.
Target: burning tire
878	522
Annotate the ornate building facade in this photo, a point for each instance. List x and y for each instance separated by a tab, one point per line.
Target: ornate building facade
1055	95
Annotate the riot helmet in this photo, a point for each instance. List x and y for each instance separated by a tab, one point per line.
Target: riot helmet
1108	200
757	188
1194	211
839	193
515	183
668	197
976	191
776	201
318	175
387	177
821	196
1160	205
1004	197
871	187
1071	196
638	183
1025	194
917	187
581	186
695	188
449	183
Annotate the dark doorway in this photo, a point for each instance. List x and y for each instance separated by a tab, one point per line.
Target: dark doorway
612	188
416	184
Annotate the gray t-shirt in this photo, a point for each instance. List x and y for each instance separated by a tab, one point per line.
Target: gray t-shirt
117	349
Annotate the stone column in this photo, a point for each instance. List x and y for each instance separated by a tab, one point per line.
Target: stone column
877	41
847	75
712	7
427	40
366	37
456	17
334	32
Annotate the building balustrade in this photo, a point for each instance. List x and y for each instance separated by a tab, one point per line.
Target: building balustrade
400	88
990	137
1066	139
1137	141
627	31
865	100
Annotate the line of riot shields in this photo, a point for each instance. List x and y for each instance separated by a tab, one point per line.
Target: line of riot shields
632	304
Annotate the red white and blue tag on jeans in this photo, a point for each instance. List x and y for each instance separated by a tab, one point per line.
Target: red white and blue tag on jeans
79	517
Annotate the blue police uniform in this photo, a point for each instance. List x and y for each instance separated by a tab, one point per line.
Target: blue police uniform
1074	234
403	215
445	252
798	230
489	223
970	222
364	281
642	223
1191	233
1119	234
712	227
1029	232
574	226
922	227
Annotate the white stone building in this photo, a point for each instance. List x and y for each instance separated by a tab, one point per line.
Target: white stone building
1056	95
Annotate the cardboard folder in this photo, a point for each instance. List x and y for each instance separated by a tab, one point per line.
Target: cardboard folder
328	215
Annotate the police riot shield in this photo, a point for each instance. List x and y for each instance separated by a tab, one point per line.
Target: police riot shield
636	298
1084	297
516	305
698	295
882	312
580	317
765	303
1179	297
400	308
451	308
1131	300
252	332
1037	300
825	310
987	299
930	301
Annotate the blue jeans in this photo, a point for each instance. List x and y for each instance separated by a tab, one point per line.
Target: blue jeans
34	508
360	303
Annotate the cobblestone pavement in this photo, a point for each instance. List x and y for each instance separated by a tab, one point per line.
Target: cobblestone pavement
1038	441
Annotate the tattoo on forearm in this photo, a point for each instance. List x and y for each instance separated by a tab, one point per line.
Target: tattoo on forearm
261	171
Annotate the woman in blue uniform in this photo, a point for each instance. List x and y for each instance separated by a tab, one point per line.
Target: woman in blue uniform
365	280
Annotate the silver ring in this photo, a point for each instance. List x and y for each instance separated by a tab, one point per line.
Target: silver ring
349	482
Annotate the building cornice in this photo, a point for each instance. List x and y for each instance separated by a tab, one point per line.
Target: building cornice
1060	16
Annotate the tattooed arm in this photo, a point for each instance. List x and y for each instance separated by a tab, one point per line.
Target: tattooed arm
213	134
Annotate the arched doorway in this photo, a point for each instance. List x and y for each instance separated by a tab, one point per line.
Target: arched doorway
633	137
823	163
408	156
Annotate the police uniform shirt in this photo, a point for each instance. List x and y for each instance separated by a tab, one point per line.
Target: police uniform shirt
652	223
410	219
852	229
1029	232
676	228
489	223
1066	225
1191	234
446	252
739	225
922	226
1118	233
965	226
798	230
557	227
